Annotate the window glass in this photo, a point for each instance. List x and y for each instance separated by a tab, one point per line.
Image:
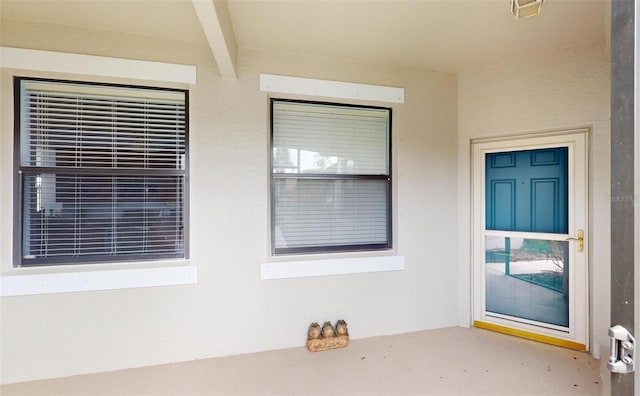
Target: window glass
329	139
102	171
331	179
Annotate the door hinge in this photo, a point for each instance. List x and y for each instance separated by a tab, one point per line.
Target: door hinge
623	345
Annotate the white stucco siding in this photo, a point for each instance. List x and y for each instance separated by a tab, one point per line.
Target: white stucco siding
231	310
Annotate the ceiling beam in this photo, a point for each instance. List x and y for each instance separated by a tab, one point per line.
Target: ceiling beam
216	22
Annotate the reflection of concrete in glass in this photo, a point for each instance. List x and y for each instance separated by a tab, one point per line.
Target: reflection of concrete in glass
528	279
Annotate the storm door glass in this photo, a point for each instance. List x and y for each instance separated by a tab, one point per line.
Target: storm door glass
525	238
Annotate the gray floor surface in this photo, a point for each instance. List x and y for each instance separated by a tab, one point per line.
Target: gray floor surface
449	361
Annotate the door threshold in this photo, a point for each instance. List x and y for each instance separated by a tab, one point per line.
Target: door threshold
530	336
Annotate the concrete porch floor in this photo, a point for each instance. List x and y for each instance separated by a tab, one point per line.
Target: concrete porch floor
450	361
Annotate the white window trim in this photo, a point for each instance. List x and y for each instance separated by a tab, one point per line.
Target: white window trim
106	279
341	266
111	279
60	62
330	89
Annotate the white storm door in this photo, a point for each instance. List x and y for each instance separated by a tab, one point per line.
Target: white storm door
530	237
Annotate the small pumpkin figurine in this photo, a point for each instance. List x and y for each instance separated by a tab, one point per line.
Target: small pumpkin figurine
341	328
314	331
328	330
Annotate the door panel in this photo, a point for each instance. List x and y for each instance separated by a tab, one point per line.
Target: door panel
527	190
501	207
530	201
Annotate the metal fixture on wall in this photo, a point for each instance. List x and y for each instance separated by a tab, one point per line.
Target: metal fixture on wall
525	8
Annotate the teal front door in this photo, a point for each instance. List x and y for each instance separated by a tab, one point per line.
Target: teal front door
529	220
526	191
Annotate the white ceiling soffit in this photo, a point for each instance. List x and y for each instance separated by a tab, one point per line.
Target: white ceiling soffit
216	23
172	20
445	35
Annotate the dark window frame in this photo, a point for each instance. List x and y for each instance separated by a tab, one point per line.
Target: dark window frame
21	172
388	178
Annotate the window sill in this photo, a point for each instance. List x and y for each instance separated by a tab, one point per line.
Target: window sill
111	279
342	266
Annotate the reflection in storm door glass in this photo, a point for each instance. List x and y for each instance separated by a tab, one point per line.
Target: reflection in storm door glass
528	279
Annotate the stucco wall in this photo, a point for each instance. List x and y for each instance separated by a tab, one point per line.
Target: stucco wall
230	310
551	91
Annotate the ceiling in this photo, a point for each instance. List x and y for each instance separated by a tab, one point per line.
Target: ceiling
445	35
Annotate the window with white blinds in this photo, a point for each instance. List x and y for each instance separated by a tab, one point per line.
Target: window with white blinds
102	170
330	177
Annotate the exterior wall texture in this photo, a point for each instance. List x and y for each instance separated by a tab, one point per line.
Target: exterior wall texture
230	310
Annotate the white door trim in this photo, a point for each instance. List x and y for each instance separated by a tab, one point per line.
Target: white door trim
577	142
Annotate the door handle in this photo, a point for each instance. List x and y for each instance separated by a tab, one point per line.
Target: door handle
580	240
